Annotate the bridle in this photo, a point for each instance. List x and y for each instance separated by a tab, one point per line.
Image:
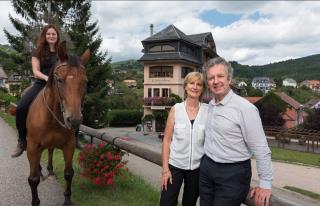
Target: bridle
62	109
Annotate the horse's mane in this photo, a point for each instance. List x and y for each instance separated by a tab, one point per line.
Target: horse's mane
73	61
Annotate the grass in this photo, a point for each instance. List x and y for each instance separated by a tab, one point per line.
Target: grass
295	157
132	191
8	118
303	192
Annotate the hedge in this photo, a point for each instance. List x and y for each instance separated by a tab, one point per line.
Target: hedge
124	118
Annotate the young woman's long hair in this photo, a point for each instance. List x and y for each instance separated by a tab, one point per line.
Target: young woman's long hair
43	49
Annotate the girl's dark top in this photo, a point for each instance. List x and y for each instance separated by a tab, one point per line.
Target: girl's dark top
46	64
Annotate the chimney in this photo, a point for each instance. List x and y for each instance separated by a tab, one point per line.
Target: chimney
151	29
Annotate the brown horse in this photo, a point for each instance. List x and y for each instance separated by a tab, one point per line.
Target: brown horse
54	116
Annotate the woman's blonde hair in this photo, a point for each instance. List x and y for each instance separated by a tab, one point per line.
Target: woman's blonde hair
194	76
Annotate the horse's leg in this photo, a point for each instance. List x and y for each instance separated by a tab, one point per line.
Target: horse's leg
50	166
68	151
34	153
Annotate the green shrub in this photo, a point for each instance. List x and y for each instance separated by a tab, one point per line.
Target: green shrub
7	98
124	118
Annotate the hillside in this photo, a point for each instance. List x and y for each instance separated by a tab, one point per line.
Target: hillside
298	69
127	65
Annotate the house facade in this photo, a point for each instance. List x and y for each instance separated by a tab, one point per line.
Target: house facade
169	56
288	82
263	83
312	84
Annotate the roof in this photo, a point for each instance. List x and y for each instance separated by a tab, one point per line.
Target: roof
263	80
169	33
169	56
253	99
292	102
200	38
3	74
311	103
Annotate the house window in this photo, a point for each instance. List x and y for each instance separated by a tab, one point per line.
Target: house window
165	92
161	71
149	92
162	48
156	92
185	71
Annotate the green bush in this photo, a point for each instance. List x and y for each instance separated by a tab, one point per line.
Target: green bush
124	118
7	98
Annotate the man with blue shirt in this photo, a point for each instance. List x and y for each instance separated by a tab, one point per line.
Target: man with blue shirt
233	134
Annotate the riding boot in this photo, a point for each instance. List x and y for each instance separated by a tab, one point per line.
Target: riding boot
21	146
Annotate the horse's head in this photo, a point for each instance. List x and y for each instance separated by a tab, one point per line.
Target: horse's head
70	80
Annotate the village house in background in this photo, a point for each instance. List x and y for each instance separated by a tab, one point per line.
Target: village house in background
3	77
288	82
131	83
265	84
293	116
312	84
313	104
169	56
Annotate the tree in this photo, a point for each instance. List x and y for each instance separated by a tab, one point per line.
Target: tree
271	109
252	92
73	19
313	119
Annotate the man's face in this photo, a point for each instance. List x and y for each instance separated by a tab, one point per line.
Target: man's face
218	81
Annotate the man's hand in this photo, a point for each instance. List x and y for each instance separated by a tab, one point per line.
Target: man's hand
262	196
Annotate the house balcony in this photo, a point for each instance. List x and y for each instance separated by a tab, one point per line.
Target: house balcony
159	102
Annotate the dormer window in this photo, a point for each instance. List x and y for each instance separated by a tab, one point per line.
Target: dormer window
162	48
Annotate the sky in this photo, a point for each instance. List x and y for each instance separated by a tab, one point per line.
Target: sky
249	32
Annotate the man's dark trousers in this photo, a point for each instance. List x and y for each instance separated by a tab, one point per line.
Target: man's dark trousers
223	184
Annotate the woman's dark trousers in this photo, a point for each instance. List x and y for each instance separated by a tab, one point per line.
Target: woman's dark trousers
23	108
190	179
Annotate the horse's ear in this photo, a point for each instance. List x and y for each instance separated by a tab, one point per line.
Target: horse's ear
85	57
62	51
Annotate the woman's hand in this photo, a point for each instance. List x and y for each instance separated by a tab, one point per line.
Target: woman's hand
166	176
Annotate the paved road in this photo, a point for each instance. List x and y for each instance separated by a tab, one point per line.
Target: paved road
304	177
14	188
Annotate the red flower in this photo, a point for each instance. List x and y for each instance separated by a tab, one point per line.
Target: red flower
97	181
100	163
110	157
110	181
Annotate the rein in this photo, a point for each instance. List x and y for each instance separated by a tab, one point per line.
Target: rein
62	124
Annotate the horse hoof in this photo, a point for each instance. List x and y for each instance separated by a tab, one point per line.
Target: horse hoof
68	204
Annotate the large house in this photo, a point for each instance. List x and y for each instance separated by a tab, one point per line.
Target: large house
169	56
263	83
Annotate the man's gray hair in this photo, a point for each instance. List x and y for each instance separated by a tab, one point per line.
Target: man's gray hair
219	60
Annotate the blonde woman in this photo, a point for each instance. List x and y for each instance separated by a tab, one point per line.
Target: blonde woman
183	143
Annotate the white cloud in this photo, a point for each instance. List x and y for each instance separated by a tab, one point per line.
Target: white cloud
285	30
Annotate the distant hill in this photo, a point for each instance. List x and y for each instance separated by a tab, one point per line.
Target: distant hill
299	69
127	65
